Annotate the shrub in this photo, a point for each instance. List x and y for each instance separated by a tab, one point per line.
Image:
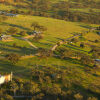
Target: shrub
14	58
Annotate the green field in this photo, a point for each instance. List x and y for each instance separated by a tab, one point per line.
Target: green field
56	30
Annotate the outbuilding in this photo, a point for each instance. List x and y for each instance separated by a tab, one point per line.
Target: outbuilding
6	37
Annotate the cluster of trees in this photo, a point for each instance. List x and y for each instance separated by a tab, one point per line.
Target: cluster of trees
89	3
13	31
38	31
49	83
44	53
37	27
95	51
14	58
61	10
65	53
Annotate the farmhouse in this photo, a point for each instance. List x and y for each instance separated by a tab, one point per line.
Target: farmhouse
6	37
98	33
11	15
97	62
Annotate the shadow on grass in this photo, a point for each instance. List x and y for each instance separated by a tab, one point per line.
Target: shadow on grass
74	61
17	26
19	50
86	26
45	44
18	70
7	66
75	48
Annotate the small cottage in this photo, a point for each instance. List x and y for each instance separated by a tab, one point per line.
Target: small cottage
5	37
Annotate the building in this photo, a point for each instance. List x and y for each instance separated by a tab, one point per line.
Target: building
5	78
97	62
37	32
6	37
98	33
11	15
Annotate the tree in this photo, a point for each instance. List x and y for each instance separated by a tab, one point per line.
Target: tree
14	58
14	87
12	31
14	45
38	27
44	5
96	41
82	45
43	53
37	37
48	79
92	98
35	25
65	53
42	28
86	60
22	33
55	90
31	88
78	96
74	40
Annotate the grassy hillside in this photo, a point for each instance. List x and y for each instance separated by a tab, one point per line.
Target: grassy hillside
56	29
68	72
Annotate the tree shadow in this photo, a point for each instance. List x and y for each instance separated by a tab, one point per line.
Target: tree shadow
75	48
86	26
18	26
46	44
20	50
74	61
6	67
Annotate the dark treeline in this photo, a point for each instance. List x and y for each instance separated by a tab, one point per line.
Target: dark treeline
62	10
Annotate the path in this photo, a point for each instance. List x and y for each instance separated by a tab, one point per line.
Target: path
62	42
30	43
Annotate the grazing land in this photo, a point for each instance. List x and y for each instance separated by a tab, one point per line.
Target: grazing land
52	48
